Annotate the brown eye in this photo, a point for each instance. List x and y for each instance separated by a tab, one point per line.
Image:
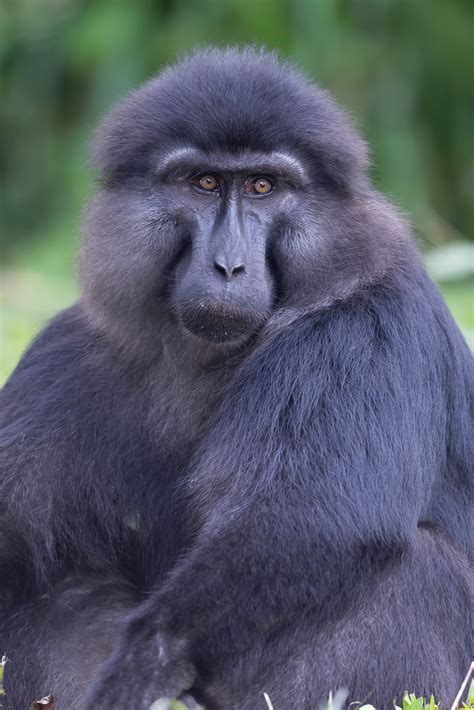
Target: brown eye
259	186
262	186
207	182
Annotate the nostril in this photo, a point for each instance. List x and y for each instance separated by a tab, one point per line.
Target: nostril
227	272
238	269
221	268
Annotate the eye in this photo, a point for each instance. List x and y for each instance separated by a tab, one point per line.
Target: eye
258	186
206	182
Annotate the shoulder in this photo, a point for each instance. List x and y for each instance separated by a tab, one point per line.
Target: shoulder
63	341
66	364
398	322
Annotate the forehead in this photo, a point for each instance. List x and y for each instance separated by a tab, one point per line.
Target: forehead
240	108
277	162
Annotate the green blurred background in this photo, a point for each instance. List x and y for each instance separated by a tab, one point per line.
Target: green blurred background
404	68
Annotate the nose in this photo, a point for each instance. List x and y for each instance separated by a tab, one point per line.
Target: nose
227	270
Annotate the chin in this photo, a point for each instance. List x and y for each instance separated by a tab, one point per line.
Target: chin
220	325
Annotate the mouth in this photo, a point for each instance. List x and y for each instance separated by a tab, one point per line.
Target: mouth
219	323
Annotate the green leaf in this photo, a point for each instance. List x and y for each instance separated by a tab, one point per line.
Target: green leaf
411	702
470	695
168	704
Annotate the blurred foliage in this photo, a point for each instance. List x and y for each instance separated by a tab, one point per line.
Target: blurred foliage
404	68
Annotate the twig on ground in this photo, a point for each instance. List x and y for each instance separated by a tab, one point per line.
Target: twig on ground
463	687
268	701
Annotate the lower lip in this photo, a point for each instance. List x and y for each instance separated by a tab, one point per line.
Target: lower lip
215	330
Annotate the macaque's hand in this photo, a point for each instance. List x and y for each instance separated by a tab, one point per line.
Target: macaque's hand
147	666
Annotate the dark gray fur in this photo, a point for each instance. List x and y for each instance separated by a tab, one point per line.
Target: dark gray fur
246	484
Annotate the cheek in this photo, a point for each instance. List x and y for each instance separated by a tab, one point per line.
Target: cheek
180	271
300	260
128	246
